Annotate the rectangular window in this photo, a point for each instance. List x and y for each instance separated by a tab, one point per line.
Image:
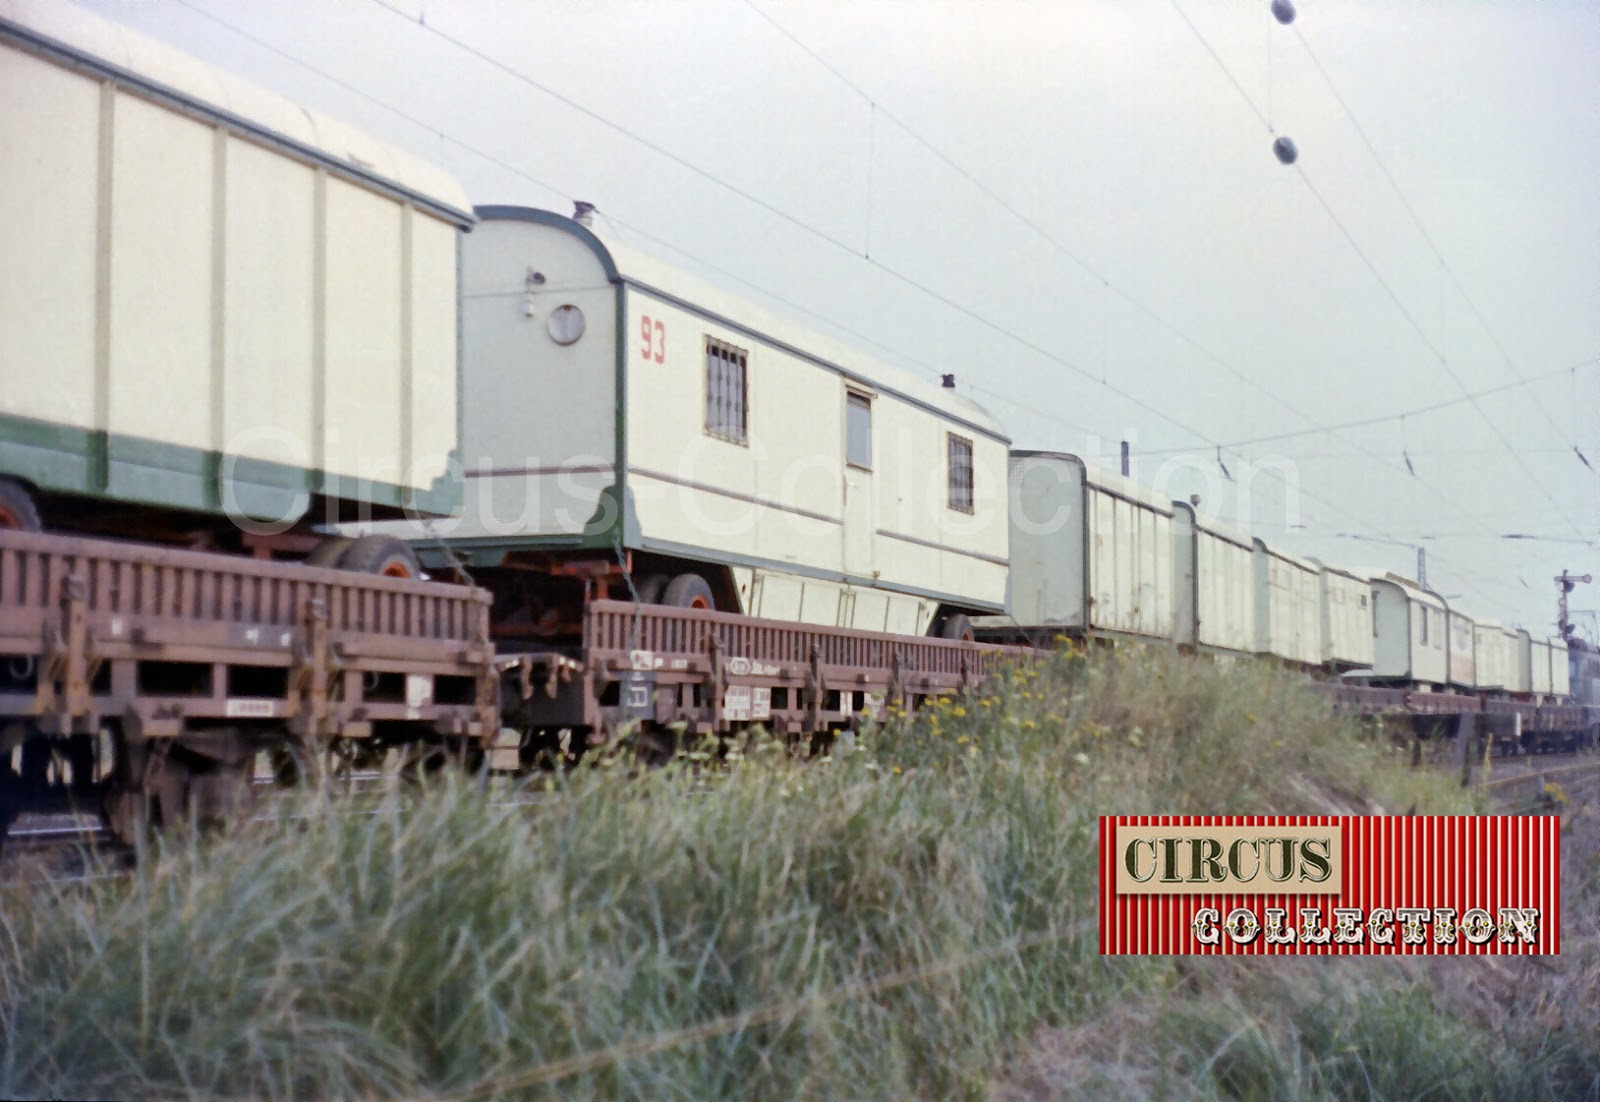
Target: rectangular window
959	452
727	402
1424	626
858	430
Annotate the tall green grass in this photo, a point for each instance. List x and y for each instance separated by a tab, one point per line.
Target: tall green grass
912	915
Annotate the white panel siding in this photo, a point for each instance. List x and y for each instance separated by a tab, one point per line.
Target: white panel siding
161	257
435	414
49	127
777	498
1347	618
1225	594
1560	668
1463	652
362	377
269	299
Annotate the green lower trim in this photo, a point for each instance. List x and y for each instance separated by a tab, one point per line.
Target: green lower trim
66	460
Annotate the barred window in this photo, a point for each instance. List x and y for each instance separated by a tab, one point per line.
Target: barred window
858	430
960	457
727	403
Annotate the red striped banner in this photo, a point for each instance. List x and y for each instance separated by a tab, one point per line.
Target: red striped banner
1331	884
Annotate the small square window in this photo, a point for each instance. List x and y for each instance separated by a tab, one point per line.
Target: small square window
727	400
959	453
858	430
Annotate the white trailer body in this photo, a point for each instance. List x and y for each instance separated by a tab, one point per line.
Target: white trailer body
1540	683
1521	663
1560	667
214	300
1287	606
1346	618
1496	649
615	404
1463	666
1410	625
1090	551
1214	591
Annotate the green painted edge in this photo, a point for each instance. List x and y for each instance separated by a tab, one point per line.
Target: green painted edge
64	459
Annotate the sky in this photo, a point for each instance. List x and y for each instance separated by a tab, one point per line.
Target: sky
1073	206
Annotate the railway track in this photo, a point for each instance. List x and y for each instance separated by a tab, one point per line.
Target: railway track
1548	784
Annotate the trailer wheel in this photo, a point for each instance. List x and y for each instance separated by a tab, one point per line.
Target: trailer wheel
689	591
18	513
329	551
957	626
383	555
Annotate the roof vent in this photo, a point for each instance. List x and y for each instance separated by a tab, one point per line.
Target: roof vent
583	213
948	381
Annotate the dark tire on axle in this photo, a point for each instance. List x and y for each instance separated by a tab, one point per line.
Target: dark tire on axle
689	591
957	626
383	555
329	551
18	512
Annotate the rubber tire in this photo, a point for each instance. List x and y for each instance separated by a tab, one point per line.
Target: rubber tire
17	509
689	591
383	555
956	626
650	588
329	551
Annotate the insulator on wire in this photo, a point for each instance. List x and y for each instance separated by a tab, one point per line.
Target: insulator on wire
1283	11
1284	149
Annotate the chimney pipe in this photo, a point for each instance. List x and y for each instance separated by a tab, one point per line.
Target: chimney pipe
583	213
947	381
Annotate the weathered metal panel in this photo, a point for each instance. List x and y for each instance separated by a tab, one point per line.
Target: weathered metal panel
1521	662
1130	561
1089	550
1560	668
1494	647
1346	618
1540	682
1287	606
1049	578
1463	667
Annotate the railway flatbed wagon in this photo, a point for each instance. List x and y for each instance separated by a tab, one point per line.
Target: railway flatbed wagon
706	672
150	679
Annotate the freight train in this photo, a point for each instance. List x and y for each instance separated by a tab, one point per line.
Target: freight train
242	327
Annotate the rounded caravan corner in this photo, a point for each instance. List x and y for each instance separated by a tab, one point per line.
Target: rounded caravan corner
1411	624
502	212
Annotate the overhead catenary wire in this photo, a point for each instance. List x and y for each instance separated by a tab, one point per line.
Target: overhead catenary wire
1049	238
1416	411
1372	267
957	306
1416	220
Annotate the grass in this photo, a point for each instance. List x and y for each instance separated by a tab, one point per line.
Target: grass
911	916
